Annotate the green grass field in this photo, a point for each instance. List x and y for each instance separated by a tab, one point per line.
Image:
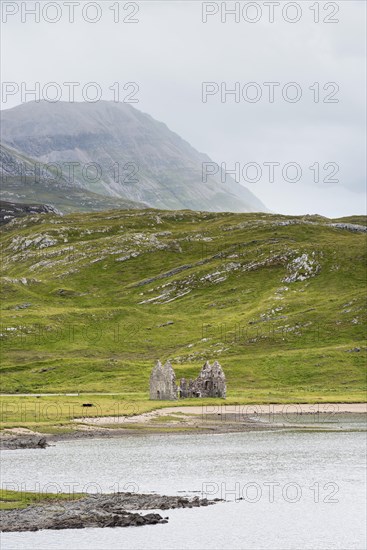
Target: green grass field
91	301
10	500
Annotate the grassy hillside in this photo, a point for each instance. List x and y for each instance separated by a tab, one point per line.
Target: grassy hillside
91	301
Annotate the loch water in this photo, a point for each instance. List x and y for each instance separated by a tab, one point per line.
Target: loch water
291	489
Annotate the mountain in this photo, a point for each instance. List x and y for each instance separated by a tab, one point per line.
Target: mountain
139	159
91	301
19	185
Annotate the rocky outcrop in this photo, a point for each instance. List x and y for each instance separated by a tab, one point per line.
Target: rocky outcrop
23	442
112	510
301	268
355	228
11	210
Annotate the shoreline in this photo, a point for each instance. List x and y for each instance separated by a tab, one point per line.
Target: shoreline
223	408
96	510
205	419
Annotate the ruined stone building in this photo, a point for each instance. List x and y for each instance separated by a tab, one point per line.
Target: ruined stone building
163	382
211	382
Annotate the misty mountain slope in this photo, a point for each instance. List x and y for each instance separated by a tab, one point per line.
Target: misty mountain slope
24	183
155	165
91	301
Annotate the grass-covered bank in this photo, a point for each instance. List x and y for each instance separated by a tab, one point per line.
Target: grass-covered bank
55	414
12	500
91	301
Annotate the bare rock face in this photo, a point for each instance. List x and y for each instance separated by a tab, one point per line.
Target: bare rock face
163	382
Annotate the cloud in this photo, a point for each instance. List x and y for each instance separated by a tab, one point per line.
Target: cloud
171	52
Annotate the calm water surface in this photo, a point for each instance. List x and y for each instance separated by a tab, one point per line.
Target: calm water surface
299	490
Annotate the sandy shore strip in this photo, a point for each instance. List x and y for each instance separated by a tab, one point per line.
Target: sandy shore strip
221	418
204	411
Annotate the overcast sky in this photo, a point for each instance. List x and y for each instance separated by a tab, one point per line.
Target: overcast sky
170	52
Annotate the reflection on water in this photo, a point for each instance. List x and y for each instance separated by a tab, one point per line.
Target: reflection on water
296	490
